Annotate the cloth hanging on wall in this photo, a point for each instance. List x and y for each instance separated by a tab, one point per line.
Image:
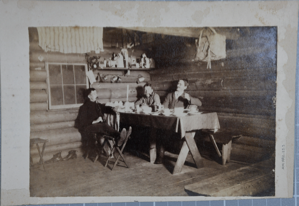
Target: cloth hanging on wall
71	39
210	47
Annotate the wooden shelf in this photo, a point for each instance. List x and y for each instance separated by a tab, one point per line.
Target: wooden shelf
125	69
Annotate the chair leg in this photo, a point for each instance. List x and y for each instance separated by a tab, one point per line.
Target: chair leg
42	155
120	153
107	161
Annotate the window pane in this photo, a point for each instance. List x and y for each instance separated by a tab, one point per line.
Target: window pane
56	95
80	74
69	95
80	89
55	74
68	74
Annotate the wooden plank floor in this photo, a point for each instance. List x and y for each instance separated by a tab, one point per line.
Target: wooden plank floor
80	177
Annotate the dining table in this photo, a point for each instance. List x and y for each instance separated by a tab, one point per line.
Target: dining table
185	124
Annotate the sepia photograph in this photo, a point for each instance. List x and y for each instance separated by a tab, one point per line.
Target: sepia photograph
152	111
147	101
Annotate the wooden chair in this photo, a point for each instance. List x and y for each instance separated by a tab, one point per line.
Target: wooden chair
223	137
119	147
37	141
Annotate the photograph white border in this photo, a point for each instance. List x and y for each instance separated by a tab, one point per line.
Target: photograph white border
17	16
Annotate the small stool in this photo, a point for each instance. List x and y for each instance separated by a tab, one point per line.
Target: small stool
37	141
223	137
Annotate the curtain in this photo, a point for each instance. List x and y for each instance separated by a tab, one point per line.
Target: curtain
71	39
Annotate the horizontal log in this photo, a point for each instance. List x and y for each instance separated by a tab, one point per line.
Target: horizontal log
256	142
115	93
248	51
40	117
57	57
38	96
219	84
51	126
124	79
249	74
133	73
232	93
54	148
241	103
242	84
186	32
220	69
38	85
255	127
49	155
37	66
58	136
234	110
123	99
38	76
115	85
39	106
261	121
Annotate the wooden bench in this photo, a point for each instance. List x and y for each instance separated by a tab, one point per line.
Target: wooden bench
223	137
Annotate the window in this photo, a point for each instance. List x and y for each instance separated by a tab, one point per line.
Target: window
66	83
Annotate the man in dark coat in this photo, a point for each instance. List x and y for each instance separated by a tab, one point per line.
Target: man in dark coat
90	120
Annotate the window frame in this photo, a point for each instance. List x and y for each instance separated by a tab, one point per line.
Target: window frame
65	106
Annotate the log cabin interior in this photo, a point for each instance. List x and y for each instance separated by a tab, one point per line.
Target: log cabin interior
240	88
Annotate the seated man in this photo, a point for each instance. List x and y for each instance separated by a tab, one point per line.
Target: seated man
150	98
179	98
90	119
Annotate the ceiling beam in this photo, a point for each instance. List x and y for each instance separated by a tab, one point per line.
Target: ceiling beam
230	33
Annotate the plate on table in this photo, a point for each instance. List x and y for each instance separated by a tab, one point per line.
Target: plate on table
156	113
166	114
193	113
180	114
143	112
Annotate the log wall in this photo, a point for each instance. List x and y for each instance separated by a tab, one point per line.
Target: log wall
57	126
240	88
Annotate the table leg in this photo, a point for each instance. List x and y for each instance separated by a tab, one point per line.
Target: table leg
181	158
193	149
188	145
153	149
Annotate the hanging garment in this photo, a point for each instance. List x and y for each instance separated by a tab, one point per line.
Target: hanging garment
210	47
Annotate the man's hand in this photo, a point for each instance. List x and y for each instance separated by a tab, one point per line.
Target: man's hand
97	120
187	96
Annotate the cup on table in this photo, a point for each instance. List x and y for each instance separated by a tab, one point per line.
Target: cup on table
193	108
166	111
138	109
